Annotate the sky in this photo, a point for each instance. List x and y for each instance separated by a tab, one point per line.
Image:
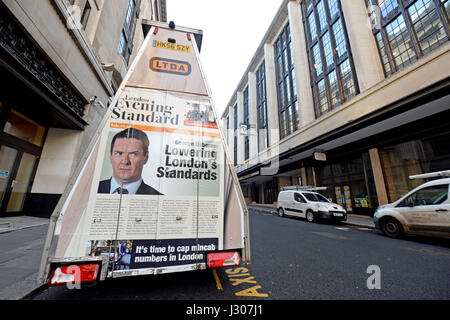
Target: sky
232	31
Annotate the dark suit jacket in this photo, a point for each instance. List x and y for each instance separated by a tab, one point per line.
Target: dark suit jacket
105	186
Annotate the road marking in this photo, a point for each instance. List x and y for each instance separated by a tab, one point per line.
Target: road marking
233	276
252	292
331	235
342	228
434	252
216	277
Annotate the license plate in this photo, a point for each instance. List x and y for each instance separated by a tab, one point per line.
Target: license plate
338	214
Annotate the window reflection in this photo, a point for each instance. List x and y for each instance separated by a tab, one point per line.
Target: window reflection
387	6
400	42
331	63
417	28
427	25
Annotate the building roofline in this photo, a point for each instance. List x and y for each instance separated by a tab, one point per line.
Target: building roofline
271	30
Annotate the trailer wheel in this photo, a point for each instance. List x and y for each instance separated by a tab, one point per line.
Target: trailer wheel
281	212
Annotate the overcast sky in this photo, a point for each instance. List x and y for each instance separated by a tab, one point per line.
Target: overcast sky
232	31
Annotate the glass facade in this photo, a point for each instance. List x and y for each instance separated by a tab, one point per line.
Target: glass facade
246	122
350	183
126	38
409	29
21	141
287	89
414	157
332	72
235	133
261	107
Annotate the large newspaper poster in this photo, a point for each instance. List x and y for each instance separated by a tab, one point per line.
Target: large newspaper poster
156	195
156	192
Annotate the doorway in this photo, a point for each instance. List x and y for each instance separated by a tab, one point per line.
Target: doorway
20	147
16	170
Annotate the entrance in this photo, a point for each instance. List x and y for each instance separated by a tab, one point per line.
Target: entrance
20	148
350	183
16	170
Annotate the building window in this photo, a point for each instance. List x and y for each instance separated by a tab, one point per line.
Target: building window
235	118
85	15
261	107
246	122
408	30
287	89
333	76
228	130
126	38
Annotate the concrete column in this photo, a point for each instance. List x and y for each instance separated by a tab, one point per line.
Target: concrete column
224	128
378	176
57	160
271	92
301	64
362	42
253	118
231	133
304	177
240	138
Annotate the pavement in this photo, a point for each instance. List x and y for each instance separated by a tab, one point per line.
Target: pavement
22	239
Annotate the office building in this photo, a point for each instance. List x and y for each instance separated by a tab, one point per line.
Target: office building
61	62
352	95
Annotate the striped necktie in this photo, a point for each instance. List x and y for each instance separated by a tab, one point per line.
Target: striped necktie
120	190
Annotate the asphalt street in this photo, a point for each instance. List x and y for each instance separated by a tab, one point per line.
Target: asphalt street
296	260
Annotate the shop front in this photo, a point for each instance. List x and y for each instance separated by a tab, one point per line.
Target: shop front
350	183
399	161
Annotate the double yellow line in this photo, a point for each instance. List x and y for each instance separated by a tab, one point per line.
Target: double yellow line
216	277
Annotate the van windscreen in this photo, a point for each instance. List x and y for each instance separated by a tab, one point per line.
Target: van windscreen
316	197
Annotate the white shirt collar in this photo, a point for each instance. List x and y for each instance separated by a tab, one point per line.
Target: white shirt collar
132	187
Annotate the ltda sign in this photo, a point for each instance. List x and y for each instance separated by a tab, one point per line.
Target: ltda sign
170	66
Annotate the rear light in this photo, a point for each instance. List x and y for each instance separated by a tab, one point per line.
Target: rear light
74	274
223	259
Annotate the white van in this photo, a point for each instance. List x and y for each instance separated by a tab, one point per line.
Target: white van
424	210
310	205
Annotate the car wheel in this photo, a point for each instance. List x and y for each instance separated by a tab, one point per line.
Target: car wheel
391	227
281	212
310	217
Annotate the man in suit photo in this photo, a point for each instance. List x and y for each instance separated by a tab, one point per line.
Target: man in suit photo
128	155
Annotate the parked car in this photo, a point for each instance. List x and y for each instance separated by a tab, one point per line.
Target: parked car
424	210
310	205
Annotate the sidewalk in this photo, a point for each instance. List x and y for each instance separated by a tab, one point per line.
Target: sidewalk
22	222
22	239
352	219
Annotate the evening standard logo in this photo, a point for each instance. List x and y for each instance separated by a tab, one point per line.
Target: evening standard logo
171	46
164	65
